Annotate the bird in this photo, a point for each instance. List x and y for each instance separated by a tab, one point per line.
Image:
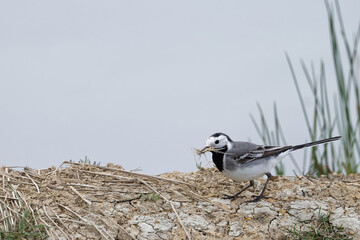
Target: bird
245	161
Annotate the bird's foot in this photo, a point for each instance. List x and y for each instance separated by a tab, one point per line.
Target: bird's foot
257	198
225	196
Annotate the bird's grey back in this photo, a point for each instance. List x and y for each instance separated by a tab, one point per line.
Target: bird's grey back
233	157
241	148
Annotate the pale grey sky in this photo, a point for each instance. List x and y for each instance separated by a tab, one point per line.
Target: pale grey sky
141	83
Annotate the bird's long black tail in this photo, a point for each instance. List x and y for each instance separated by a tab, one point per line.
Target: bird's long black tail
296	147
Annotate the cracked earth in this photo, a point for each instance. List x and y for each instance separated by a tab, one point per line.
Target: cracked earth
89	202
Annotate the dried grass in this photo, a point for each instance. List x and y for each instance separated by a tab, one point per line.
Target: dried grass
82	201
74	198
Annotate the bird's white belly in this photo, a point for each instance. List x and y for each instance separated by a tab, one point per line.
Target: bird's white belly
245	174
254	170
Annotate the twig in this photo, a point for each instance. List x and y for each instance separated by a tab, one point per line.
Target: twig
309	179
171	204
9	208
51	173
8	198
52	221
34	173
296	174
81	196
58	218
14	179
26	204
105	174
37	187
3	181
85	185
49	230
11	167
20	196
83	219
76	221
33	214
135	174
114	222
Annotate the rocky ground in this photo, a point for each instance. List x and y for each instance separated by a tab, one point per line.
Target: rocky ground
80	201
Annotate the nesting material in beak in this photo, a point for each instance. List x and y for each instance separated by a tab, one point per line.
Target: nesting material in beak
202	151
207	149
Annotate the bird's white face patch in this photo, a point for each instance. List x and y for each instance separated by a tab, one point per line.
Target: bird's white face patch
218	142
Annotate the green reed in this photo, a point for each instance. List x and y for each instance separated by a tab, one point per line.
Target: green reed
324	120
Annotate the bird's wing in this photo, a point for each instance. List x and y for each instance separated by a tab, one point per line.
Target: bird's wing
247	153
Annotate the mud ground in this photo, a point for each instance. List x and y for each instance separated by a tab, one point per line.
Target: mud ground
79	201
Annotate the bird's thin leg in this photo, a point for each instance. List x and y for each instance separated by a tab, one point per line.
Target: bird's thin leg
256	199
237	194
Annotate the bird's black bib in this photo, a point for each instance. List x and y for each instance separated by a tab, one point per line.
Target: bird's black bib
218	159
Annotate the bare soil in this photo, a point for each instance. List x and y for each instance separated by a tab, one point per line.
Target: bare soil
81	201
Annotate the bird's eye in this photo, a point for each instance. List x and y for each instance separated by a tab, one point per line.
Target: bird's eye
217	141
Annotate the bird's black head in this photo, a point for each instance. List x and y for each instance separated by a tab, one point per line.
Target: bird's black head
218	141
218	144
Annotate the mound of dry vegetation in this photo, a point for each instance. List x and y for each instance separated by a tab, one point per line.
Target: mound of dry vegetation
82	201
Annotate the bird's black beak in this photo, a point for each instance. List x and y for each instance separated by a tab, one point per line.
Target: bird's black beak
205	149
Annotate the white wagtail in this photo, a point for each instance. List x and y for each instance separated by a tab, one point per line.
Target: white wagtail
245	161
